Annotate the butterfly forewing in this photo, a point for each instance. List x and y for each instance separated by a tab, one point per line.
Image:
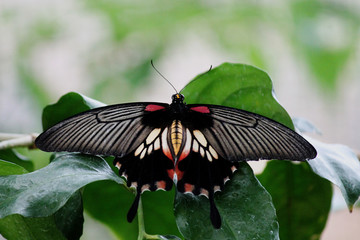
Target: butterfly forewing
240	136
112	130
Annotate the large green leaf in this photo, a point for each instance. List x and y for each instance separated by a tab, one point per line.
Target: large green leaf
43	192
238	86
245	207
302	199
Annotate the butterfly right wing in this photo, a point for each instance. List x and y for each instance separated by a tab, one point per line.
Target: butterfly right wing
114	130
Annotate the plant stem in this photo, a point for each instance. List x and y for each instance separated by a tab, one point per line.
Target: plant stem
141	224
10	140
142	234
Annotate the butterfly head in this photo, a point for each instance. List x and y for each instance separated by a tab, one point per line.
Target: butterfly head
177	98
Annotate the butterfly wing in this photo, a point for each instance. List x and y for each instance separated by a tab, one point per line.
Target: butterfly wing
220	137
130	132
112	130
239	135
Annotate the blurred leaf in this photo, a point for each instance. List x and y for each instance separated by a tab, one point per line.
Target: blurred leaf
326	36
245	207
13	156
302	199
43	192
67	106
338	164
8	168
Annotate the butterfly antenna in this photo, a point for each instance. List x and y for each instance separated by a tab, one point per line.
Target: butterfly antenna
152	64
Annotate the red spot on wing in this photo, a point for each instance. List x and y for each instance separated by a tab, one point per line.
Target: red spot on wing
153	107
201	109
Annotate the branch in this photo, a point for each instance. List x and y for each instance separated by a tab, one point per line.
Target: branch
11	140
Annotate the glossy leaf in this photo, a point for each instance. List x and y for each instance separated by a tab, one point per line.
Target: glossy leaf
245	208
43	192
302	199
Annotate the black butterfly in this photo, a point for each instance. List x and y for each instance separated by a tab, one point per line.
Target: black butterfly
195	146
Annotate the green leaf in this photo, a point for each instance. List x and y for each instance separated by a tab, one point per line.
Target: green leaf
8	168
43	192
16	227
245	208
108	203
13	156
69	219
302	199
338	164
239	86
159	205
67	106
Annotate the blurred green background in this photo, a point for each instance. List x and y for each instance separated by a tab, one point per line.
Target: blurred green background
102	49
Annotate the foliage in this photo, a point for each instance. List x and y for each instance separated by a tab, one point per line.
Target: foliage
42	199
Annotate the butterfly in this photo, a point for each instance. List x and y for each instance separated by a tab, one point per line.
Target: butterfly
197	147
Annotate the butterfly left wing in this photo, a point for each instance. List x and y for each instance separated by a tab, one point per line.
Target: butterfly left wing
113	130
130	132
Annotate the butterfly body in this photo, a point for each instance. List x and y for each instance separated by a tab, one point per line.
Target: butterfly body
194	146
